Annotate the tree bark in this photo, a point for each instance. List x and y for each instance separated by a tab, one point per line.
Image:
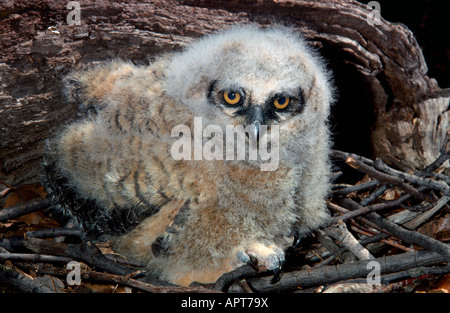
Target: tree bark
380	72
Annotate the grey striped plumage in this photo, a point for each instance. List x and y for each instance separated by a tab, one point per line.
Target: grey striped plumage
112	170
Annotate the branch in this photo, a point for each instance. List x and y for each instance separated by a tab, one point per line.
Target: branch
52	251
365	210
21	281
356	188
340	233
359	163
33	257
330	274
126	280
438	185
413	224
84	252
54	232
224	281
402	233
438	162
22	209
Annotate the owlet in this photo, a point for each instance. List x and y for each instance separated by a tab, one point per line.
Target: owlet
202	159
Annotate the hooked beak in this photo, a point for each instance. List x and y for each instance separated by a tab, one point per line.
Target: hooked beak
254	132
255	118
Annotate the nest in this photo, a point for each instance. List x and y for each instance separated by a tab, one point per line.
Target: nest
388	231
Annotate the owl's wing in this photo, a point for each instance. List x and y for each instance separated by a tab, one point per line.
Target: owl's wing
110	170
155	233
92	90
88	89
71	206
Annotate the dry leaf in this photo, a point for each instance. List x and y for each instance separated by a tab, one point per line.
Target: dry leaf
391	194
33	221
25	193
443	285
105	247
106	288
438	229
52	282
441	229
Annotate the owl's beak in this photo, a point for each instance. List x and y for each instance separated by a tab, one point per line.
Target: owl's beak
255	118
255	131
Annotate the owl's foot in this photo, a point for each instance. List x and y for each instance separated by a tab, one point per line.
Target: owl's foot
271	257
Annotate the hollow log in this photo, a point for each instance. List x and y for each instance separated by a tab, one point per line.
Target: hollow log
387	106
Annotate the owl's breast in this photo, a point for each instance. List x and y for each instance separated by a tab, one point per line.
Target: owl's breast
251	188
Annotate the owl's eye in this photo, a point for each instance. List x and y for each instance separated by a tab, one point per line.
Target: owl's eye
281	102
231	97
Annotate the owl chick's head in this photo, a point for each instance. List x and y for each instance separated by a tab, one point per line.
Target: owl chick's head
249	75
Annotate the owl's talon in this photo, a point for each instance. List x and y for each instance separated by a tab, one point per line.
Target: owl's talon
243	257
271	257
275	262
247	259
276	277
277	270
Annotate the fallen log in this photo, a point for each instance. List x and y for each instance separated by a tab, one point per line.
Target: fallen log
379	68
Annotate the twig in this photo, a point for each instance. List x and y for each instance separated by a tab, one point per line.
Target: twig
33	257
119	279
331	274
326	241
340	232
438	162
85	252
413	224
386	241
8	185
365	210
415	272
22	209
366	166
227	279
370	198
371	171
54	232
9	189
356	188
3	250
434	184
21	281
124	280
347	214
402	233
442	177
345	155
123	260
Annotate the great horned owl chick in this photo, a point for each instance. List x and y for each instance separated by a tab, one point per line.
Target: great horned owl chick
193	219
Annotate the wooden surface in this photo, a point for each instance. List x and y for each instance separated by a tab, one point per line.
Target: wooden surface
387	106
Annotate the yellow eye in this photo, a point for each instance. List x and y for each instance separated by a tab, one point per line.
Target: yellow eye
281	102
231	97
